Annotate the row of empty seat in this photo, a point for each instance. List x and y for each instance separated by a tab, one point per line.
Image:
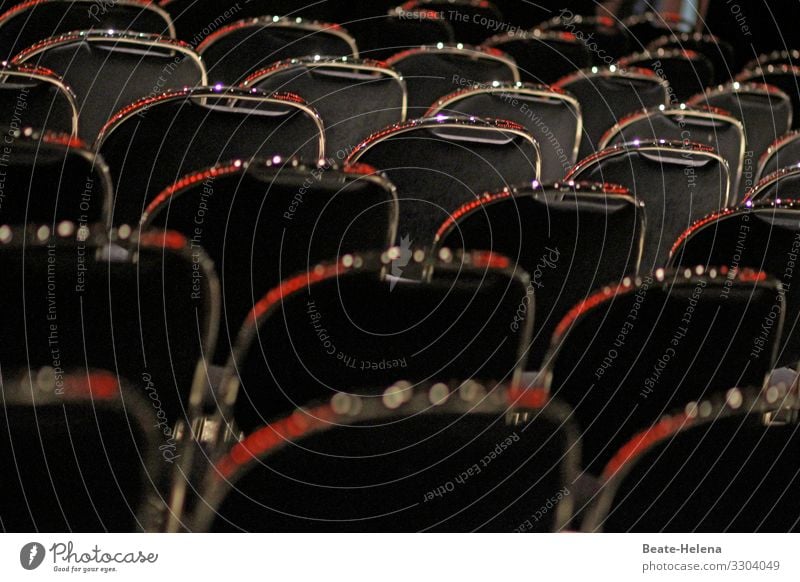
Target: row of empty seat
453	265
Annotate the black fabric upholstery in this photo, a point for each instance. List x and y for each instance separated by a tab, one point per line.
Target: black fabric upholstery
23	28
786	154
353	101
251	45
717	130
108	74
432	73
149	151
358	330
570	242
677	185
543	57
46	180
33	102
667	341
438	167
143	317
265	224
607	96
766	237
732	474
380	474
550	118
77	462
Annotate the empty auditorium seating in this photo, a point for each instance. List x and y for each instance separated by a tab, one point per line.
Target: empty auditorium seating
712	127
571	238
234	51
607	94
433	71
552	117
431	457
381	36
108	70
679	182
686	71
37	98
264	221
648	27
78	453
765	112
353	97
372	320
782	153
785	57
762	235
720	465
49	177
152	143
784	77
27	23
543	57
440	163
144	309
718	52
631	352
780	184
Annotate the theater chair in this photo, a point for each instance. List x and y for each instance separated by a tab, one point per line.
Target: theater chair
266	220
146	309
776	186
719	53
381	36
571	238
607	94
784	77
151	144
782	153
632	352
604	33
679	182
649	26
234	51
49	177
765	112
373	319
728	464
27	23
433	71
108	70
542	57
712	127
438	164
353	97
79	454
686	71
461	457
552	117
37	98
760	235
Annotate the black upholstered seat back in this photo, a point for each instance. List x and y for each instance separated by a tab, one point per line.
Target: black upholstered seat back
439	164
108	71
678	183
353	98
154	144
37	98
263	222
632	353
77	455
146	312
395	462
321	333
570	238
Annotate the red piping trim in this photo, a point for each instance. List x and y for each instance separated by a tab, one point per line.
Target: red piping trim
644	440
262	21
